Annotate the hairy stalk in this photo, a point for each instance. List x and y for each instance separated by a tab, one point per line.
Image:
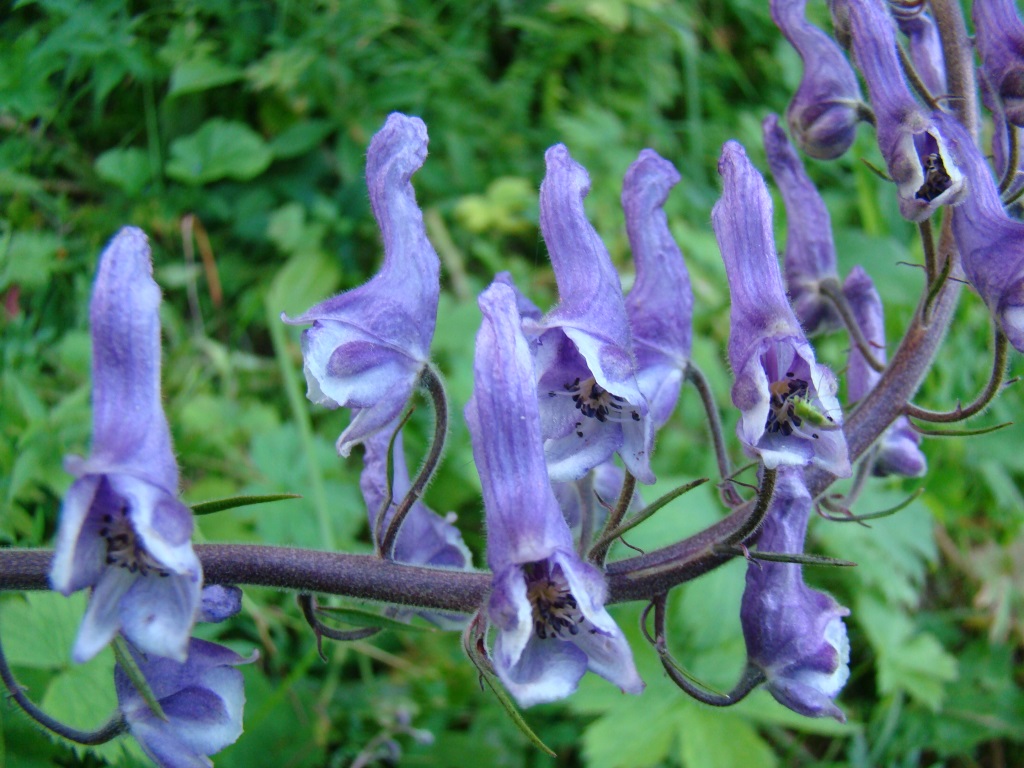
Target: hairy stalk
696	377
1010	175
600	551
830	290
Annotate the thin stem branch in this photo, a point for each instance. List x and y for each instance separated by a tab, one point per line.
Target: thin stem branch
696	377
915	79
830	289
1013	161
600	551
927	234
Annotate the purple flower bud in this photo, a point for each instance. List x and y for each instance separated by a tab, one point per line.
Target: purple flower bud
1000	41
1003	132
123	530
913	146
826	108
202	697
774	367
547	606
660	304
367	346
219	603
898	447
810	254
924	45
794	634
590	403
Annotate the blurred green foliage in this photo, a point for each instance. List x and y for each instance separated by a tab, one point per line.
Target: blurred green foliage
234	134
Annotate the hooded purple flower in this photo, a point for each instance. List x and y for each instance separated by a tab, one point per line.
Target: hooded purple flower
546	605
425	538
924	44
795	635
991	243
810	253
826	108
1000	41
773	364
123	530
660	304
898	451
591	405
367	346
202	698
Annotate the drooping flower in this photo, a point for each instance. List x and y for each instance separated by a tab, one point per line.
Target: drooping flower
122	529
794	634
425	537
923	43
201	697
810	256
913	145
546	605
773	364
660	304
367	346
591	405
827	106
898	447
999	37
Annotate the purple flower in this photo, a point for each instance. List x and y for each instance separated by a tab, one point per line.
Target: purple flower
660	304
795	635
546	605
367	346
924	44
219	603
123	530
591	405
898	447
911	141
202	698
592	495
425	538
774	366
810	254
826	108
1000	41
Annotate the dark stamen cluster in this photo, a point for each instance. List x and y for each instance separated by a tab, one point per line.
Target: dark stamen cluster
596	402
554	608
781	416
936	180
123	548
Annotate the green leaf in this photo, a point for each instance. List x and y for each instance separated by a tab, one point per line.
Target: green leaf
127	169
220	149
138	679
201	74
219	505
633	734
39	628
713	738
30	259
300	138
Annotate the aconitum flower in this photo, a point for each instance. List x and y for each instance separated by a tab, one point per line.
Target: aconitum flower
794	634
826	108
913	145
810	256
546	605
898	447
923	43
660	304
591	405
425	537
367	346
122	529
999	36
201	697
774	367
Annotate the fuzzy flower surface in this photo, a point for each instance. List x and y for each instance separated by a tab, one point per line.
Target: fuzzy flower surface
999	37
923	44
794	634
366	347
899	451
826	108
773	364
911	141
810	255
660	304
123	532
546	605
202	698
590	403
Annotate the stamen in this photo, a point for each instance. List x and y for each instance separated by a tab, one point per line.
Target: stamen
595	402
936	179
124	548
555	610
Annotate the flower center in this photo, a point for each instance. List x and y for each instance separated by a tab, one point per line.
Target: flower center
789	407
554	608
123	547
596	402
936	179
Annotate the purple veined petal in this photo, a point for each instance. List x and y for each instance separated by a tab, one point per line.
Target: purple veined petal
810	255
923	43
367	346
773	365
660	304
130	432
158	613
102	617
584	354
78	558
527	309
999	37
826	108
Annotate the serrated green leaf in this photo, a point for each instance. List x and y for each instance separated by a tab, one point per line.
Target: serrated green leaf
219	505
128	169
714	738
633	734
39	628
220	149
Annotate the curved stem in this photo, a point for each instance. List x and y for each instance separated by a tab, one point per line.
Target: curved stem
435	388
600	551
113	728
830	290
307	604
1010	174
696	377
928	246
959	57
915	79
992	388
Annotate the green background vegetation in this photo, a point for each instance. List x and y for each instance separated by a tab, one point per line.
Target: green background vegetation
234	134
